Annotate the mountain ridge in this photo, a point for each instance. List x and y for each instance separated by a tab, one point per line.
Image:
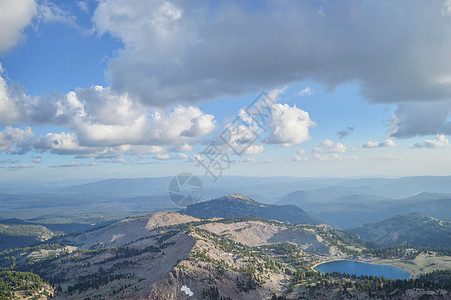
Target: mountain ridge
413	230
238	205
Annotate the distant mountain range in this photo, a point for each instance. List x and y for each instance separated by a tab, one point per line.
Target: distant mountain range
348	210
343	203
411	230
237	205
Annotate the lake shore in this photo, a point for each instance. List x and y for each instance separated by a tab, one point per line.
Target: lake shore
392	263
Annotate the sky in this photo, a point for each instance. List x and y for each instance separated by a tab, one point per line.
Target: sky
103	89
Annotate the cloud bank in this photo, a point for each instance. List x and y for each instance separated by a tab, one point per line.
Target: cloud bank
190	52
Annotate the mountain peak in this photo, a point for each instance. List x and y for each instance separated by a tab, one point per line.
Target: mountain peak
238	205
239	196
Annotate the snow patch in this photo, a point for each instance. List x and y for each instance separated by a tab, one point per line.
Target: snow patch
187	291
116	236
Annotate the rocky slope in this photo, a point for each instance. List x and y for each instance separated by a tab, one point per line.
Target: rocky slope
127	230
172	256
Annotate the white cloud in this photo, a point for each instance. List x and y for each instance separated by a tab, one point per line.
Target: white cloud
50	13
200	126
375	144
440	141
275	94
328	146
254	149
329	150
11	107
288	125
197	158
84	6
37	159
98	118
182	156
271	122
13	139
164	156
307	91
249	160
14	17
65	143
300	158
446	9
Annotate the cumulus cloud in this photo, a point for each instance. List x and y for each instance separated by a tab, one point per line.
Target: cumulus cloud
328	146
200	126
268	122
14	17
163	156
254	149
375	144
98	118
103	118
289	125
440	141
15	140
329	150
64	143
188	52
11	106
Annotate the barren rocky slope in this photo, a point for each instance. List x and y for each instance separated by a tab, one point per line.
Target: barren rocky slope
171	256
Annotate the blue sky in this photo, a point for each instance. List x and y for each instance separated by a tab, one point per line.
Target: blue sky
100	89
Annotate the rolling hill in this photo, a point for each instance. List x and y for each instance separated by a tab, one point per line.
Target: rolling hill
413	230
17	233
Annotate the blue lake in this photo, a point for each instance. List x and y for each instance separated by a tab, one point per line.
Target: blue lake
359	268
